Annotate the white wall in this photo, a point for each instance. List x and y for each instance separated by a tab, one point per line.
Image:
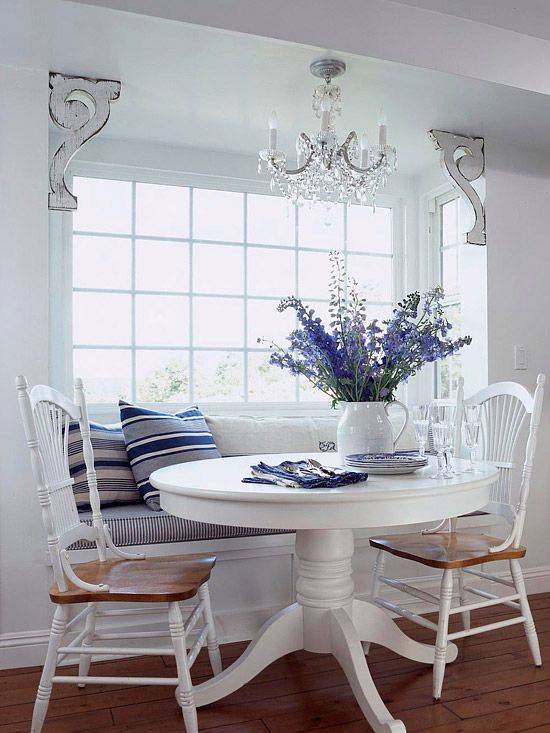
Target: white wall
23	334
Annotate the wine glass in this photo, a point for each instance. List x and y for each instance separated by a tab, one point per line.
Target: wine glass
440	432
421	421
450	419
472	425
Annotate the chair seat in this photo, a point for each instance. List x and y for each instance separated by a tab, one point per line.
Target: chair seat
155	579
446	550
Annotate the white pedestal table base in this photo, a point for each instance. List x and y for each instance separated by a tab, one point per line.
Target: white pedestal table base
326	618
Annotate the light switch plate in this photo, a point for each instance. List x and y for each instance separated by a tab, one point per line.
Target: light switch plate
520	357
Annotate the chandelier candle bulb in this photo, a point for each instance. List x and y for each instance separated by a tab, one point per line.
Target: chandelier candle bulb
273	131
325	114
364	150
382	128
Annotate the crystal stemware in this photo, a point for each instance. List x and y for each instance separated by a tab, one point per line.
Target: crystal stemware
472	425
421	422
440	433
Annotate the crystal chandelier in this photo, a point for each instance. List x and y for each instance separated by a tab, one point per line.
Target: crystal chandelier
327	170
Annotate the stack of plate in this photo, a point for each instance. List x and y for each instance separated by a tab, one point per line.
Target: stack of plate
391	464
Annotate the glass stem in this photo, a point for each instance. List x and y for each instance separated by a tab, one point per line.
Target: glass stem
472	458
421	450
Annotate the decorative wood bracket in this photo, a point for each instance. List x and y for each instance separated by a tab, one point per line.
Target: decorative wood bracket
463	161
82	107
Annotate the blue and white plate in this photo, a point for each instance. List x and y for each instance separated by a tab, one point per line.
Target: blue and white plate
400	462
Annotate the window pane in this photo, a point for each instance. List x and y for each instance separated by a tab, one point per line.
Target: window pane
102	262
102	318
321	227
313	274
162	320
162	376
374	275
218	321
368	230
449	223
162	211
162	265
218	268
106	373
308	393
264	321
449	268
218	376
103	206
270	220
218	215
271	272
267	383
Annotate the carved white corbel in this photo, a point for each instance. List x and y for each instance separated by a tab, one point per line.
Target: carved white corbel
80	106
463	161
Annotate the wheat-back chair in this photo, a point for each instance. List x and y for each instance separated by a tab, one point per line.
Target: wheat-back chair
124	578
505	407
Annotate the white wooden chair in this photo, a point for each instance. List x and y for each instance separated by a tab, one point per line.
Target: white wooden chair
505	407
127	578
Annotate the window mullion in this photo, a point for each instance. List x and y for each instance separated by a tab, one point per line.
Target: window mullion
191	353
133	388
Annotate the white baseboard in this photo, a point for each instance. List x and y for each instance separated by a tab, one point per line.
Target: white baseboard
28	648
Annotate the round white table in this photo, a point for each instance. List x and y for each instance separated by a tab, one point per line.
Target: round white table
325	618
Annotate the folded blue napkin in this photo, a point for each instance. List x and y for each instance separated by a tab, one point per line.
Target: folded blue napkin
302	475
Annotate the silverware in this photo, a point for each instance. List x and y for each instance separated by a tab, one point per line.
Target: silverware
275	479
322	470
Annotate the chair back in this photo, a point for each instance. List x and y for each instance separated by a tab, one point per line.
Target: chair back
505	408
46	415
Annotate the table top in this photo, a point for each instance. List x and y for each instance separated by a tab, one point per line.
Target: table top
212	491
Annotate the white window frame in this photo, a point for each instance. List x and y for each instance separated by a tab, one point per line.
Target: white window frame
61	287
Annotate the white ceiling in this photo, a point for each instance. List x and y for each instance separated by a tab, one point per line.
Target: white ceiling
193	86
531	17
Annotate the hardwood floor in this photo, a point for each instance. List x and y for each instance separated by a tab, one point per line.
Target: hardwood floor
492	686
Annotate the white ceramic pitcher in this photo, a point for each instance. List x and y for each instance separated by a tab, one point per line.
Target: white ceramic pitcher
365	428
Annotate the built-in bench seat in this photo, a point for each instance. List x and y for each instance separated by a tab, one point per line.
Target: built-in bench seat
136	524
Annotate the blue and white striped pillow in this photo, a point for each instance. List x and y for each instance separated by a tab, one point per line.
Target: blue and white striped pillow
157	439
115	480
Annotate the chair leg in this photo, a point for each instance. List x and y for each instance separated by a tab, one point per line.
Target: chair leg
211	638
466	621
86	659
529	625
377	572
446	596
184	692
59	624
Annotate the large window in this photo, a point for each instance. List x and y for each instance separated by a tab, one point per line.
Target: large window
173	285
462	273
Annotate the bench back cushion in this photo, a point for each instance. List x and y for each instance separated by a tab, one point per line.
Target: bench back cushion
246	435
157	439
115	480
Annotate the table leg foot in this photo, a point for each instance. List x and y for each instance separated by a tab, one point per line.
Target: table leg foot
282	634
373	624
346	647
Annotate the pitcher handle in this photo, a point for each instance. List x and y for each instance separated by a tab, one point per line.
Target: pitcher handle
405	421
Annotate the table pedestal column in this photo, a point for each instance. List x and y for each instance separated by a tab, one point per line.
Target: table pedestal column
326	618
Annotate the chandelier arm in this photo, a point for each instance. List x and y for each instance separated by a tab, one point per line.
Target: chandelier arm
295	171
364	171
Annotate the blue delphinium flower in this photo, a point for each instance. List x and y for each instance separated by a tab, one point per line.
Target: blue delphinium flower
358	361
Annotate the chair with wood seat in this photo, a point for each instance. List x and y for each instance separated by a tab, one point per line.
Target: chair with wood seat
125	578
504	409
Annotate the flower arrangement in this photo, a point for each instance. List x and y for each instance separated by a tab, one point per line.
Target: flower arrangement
354	360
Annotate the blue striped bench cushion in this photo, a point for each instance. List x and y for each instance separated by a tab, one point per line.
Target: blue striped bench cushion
136	524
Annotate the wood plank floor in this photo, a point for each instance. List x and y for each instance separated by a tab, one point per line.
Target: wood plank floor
492	686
